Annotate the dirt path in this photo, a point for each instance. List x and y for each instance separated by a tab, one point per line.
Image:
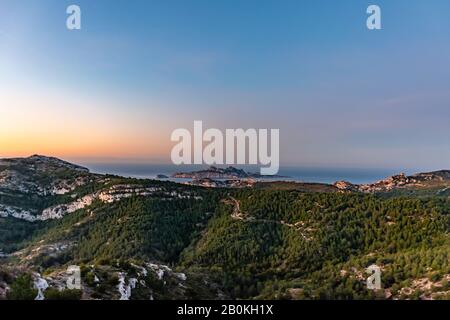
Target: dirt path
237	214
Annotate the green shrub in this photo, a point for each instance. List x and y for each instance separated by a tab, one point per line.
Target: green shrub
22	289
55	294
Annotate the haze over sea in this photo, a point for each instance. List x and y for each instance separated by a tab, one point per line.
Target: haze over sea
304	174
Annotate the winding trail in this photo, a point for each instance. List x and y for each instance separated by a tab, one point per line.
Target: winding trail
237	214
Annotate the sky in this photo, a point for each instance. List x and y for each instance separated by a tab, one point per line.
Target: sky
341	95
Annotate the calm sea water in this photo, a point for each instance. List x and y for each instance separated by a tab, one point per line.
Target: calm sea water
323	175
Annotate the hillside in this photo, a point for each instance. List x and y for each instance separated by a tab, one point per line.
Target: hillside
220	173
437	182
142	239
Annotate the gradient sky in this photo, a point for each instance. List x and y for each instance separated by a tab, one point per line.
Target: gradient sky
341	95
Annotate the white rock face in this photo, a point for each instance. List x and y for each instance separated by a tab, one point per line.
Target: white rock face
125	290
181	276
110	195
41	285
17	213
160	270
119	192
57	212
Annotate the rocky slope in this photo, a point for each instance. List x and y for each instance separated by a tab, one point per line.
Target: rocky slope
149	239
42	188
40	175
212	172
38	193
437	179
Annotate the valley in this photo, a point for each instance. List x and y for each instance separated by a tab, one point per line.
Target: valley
151	239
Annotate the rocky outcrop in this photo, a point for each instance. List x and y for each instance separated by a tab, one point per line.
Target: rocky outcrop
18	213
59	211
234	183
398	181
41	176
346	186
213	173
110	195
119	192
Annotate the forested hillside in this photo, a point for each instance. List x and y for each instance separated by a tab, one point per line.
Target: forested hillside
294	245
163	240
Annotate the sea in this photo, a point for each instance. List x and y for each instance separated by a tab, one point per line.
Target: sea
288	173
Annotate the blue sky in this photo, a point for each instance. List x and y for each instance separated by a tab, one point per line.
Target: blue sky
340	94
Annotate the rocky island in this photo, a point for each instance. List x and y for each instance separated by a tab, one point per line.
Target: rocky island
220	173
